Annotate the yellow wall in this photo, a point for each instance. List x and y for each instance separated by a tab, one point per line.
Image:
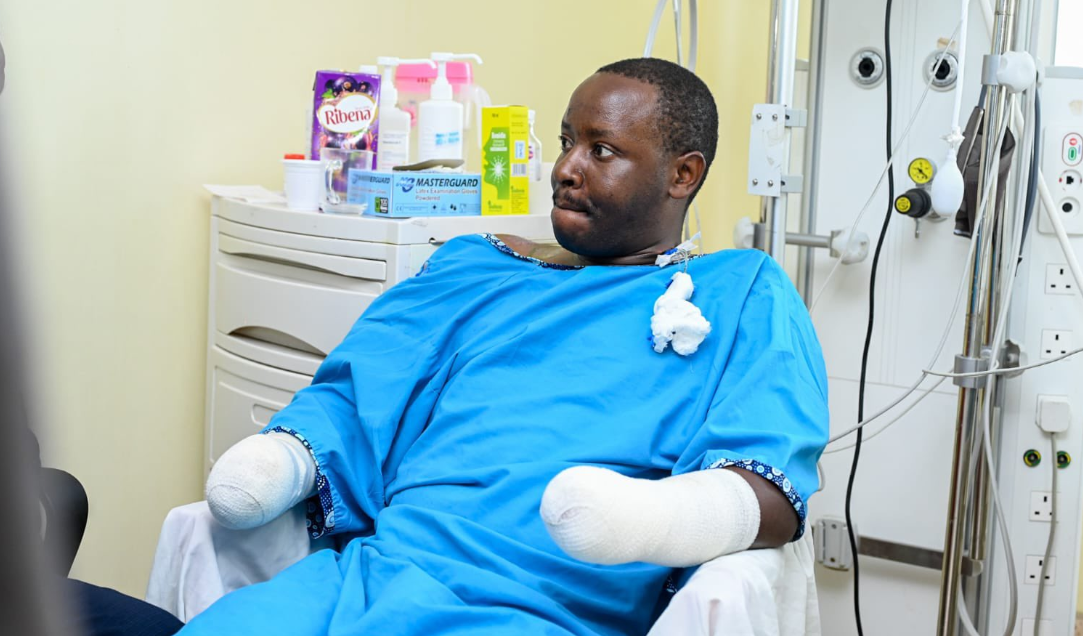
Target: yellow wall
117	111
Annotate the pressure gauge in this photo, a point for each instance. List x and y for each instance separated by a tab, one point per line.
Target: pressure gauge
921	171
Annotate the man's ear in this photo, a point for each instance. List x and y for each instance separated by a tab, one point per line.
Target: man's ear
688	170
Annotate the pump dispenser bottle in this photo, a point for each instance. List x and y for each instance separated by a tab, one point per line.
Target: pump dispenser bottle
440	118
534	155
394	147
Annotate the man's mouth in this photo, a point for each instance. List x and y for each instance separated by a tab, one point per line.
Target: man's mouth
565	203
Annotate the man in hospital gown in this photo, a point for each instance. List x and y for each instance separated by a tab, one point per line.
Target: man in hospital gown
435	427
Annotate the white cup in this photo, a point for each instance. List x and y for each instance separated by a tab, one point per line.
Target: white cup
304	184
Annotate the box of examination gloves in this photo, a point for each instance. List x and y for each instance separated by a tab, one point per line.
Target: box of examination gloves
407	193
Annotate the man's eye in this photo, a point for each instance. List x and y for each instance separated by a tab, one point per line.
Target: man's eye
565	143
602	152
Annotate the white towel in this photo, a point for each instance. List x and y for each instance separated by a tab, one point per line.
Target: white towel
752	593
758	592
198	560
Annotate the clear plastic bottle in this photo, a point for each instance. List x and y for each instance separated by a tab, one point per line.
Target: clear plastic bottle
440	118
394	146
535	157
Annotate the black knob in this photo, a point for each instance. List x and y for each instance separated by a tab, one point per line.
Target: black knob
914	203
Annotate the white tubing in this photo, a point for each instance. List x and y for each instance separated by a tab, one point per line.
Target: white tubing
957	107
979	218
693	39
693	25
652	33
983	201
893	420
883	175
677	31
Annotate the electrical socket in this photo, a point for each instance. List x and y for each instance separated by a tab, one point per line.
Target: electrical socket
1055	343
1041	506
1058	280
1034	570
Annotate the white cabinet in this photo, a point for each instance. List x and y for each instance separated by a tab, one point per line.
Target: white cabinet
285	288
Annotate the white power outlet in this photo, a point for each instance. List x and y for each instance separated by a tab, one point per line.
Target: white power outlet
1055	343
1041	506
1058	280
1034	570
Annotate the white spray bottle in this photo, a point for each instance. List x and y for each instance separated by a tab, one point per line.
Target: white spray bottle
394	148
440	118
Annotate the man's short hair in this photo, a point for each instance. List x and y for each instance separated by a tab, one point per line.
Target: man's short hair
687	115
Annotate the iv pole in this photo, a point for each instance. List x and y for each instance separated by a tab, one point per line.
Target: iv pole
965	538
781	68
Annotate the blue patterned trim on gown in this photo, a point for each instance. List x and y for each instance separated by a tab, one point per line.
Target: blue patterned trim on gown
319	509
503	247
776	477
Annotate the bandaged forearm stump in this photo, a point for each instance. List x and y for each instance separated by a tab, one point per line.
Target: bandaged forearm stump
600	516
258	479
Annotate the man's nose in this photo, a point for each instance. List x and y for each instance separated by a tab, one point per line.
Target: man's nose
568	171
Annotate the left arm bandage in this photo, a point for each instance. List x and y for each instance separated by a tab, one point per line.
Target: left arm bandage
600	516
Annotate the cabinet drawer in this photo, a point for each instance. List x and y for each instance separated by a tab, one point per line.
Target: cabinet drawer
299	244
244	396
362	268
305	309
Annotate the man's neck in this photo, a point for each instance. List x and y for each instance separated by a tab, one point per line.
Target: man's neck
557	255
642	257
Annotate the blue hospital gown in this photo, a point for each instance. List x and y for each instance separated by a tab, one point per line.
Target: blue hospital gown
459	394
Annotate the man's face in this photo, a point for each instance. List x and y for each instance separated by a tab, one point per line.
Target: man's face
609	184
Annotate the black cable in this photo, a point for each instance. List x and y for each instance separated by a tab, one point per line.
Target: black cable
1035	165
868	331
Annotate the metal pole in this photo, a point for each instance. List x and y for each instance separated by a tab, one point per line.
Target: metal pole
781	67
997	263
980	318
1027	24
812	145
808	240
1002	265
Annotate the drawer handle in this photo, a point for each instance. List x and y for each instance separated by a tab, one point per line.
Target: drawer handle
262	415
275	337
343	266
